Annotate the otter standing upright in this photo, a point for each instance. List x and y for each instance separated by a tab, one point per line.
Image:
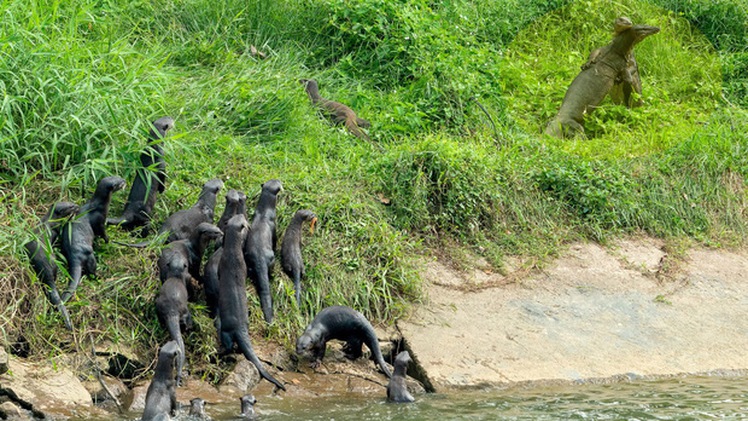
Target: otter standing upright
41	253
78	235
259	250
291	260
345	324
397	391
236	204
161	397
232	295
148	183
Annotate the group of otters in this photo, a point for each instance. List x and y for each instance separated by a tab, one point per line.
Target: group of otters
248	250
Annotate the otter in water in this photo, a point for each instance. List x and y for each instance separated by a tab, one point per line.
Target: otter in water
150	180
397	391
161	397
248	407
41	253
335	111
342	323
291	262
78	235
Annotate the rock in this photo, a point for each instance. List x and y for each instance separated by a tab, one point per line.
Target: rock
98	394
134	400
43	389
242	378
3	361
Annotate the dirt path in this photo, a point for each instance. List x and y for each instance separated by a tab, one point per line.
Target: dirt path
593	313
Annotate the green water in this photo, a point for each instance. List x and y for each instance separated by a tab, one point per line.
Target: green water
688	398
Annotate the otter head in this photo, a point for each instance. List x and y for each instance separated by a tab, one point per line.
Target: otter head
197	407
169	352
213	186
248	402
305	345
307	215
273	186
403	358
236	230
62	210
108	185
236	198
177	267
208	231
161	126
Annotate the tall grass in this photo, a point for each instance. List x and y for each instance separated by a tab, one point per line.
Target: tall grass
80	80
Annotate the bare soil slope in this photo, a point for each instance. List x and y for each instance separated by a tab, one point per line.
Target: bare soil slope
593	313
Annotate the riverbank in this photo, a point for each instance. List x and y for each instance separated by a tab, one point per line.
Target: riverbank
620	312
625	311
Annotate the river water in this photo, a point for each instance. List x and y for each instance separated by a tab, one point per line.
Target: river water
683	398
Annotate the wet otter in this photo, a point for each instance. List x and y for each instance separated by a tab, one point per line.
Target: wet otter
41	253
197	409
232	295
335	111
397	391
161	397
149	181
173	314
345	324
248	407
259	249
78	235
291	261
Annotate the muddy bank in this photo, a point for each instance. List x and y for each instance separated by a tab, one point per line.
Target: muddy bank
594	313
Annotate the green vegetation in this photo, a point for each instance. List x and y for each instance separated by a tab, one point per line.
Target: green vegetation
79	81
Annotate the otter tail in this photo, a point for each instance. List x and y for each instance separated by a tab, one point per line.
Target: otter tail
262	285
76	273
245	345
54	298
172	325
116	221
373	343
140	245
352	127
297	285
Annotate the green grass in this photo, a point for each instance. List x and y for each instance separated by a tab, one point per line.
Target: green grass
80	80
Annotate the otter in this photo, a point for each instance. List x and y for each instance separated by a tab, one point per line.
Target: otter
232	295
161	397
173	314
248	407
335	111
78	235
259	249
180	224
191	250
150	180
197	409
41	254
397	391
291	261
345	324
236	204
